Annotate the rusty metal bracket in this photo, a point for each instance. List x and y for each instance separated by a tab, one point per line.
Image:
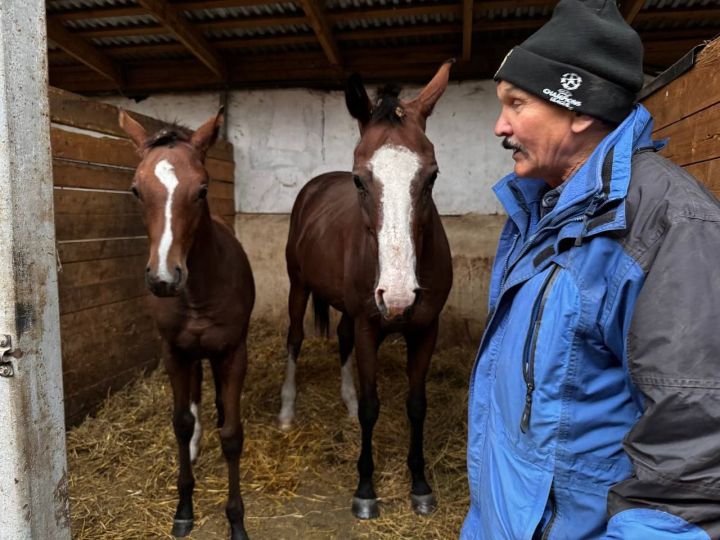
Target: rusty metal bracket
6	367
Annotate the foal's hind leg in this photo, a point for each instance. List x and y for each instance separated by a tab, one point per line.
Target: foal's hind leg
346	340
420	347
180	371
230	372
297	302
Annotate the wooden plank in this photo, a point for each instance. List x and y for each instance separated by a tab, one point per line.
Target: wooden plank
705	15
82	175
87	227
93	250
80	112
117	152
89	328
98	294
708	172
695	138
81	50
77	274
221	190
681	97
467	29
78	405
190	36
323	30
222	207
73	201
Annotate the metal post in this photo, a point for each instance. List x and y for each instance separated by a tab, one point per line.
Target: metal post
33	480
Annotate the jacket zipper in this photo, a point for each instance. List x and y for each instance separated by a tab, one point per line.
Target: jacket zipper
530	346
553	515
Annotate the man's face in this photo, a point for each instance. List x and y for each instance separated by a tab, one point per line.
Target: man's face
538	133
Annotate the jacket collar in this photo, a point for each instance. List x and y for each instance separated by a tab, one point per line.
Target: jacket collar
602	179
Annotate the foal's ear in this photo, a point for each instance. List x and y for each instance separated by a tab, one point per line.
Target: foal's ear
206	135
135	131
357	101
434	89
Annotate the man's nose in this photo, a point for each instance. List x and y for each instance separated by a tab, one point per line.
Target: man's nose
502	127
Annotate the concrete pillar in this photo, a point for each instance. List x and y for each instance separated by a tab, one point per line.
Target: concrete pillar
33	479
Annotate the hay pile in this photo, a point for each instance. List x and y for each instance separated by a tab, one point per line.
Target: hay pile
122	462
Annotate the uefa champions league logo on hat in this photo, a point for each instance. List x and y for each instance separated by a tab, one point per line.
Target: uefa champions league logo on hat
571	81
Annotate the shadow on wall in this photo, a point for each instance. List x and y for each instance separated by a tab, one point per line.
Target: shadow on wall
473	239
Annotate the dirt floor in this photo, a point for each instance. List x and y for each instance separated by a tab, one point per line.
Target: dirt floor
299	484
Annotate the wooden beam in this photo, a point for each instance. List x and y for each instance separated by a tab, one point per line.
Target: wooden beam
81	50
630	8
188	35
323	30
467	29
678	15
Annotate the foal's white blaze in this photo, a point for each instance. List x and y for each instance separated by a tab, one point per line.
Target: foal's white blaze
197	433
166	174
288	393
395	167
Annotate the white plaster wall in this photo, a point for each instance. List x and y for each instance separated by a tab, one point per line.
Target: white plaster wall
282	138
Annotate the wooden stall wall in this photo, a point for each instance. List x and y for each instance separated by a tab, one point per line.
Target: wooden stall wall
688	112
108	336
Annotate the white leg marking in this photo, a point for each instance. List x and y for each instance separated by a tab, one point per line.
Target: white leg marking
347	389
165	172
395	167
288	393
197	433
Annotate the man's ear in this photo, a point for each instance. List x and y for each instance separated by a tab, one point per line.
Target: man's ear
582	123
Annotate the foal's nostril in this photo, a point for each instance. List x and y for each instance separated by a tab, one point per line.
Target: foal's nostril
147	269
178	274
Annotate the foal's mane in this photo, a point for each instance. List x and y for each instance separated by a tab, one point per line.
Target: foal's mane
168	136
386	105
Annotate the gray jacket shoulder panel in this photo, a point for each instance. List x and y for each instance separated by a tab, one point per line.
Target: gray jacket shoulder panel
660	194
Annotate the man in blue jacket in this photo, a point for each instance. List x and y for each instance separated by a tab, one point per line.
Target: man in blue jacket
594	406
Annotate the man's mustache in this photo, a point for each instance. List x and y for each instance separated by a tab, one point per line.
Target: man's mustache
507	144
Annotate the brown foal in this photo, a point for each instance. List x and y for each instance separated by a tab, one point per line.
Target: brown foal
202	295
370	243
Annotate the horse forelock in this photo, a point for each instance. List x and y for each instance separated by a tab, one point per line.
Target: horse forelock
386	105
167	136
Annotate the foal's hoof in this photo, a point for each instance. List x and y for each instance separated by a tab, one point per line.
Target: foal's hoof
423	504
365	508
181	527
238	533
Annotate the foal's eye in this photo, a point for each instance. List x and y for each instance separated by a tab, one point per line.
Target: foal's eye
431	180
358	182
203	192
135	192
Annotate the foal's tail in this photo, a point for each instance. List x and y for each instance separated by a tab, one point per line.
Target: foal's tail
321	310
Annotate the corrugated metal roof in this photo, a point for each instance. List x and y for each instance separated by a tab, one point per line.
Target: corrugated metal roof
398	21
215	14
68	5
235	33
110	22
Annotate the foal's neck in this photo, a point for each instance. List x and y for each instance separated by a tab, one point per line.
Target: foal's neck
205	259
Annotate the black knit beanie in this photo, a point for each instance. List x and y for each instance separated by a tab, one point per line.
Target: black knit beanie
585	58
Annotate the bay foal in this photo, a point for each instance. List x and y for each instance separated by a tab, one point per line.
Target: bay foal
202	295
370	243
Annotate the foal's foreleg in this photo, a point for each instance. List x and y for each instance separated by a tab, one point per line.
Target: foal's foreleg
230	371
420	346
195	394
180	371
297	302
346	341
364	505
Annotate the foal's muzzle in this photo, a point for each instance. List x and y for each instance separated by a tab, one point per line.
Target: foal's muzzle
395	307
162	287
